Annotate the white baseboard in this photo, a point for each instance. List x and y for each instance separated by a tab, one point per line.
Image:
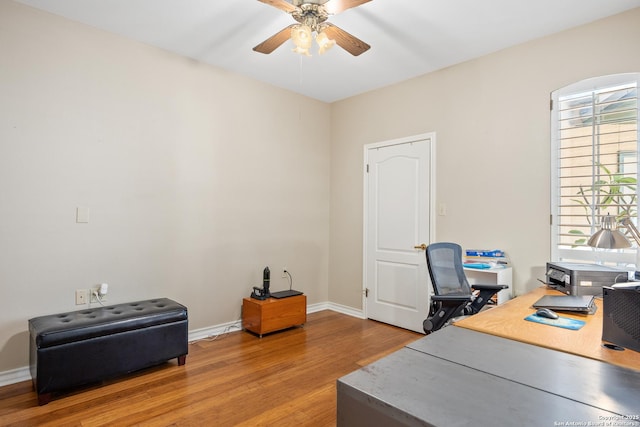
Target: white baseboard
15	376
212	331
349	311
22	374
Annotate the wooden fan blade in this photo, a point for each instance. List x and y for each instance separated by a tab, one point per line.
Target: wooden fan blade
273	42
280	4
350	43
337	6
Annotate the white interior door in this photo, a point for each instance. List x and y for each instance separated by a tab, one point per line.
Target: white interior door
398	192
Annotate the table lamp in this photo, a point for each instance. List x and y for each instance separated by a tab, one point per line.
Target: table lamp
609	237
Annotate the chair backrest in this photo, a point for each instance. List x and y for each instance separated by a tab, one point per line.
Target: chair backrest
444	261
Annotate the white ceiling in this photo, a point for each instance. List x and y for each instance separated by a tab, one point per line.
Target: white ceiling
408	38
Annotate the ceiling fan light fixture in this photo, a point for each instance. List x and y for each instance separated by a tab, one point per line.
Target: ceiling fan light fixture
301	36
312	17
324	42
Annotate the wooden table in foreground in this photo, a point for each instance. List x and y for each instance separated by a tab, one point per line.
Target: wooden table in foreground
507	321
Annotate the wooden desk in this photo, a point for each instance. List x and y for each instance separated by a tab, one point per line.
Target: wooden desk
507	321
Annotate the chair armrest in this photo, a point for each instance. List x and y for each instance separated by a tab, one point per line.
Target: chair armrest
451	298
487	287
485	292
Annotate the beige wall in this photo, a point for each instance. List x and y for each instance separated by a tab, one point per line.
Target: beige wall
195	178
491	119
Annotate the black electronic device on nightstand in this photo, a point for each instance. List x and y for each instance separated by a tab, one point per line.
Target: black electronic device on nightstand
263	292
289	292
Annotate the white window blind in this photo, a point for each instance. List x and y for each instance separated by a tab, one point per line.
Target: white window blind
594	164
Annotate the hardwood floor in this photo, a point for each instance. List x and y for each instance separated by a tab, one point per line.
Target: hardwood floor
285	378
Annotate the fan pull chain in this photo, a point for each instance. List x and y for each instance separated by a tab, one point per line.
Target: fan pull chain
300	87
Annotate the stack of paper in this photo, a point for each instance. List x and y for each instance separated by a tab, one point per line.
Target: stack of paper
486	258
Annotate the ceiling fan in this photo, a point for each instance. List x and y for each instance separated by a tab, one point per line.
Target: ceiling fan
312	17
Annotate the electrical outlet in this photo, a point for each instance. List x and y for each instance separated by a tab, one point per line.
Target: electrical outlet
284	272
81	296
94	299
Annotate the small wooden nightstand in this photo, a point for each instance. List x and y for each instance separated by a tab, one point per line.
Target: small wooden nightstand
262	317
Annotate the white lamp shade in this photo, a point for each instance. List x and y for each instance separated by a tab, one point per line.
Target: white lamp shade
324	42
301	36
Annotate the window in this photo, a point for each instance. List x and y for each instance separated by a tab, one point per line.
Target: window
594	164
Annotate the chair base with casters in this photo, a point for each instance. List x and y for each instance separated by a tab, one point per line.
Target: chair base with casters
453	295
444	308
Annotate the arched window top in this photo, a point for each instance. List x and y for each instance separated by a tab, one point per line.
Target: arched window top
597	83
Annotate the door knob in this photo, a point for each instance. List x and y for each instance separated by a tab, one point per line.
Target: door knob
422	246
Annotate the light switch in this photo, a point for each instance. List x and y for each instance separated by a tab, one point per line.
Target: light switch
442	209
82	215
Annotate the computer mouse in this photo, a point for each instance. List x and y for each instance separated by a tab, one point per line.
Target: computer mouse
545	312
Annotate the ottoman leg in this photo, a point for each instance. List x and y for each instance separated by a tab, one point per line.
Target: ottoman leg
44	398
182	360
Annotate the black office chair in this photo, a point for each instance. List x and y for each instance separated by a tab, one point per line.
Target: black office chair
453	295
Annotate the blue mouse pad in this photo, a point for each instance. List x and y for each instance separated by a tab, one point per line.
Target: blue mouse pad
560	322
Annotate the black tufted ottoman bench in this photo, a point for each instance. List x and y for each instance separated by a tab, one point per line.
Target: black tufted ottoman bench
88	346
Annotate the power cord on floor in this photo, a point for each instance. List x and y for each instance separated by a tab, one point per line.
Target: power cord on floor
236	325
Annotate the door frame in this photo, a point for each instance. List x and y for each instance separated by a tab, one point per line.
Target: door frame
431	136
